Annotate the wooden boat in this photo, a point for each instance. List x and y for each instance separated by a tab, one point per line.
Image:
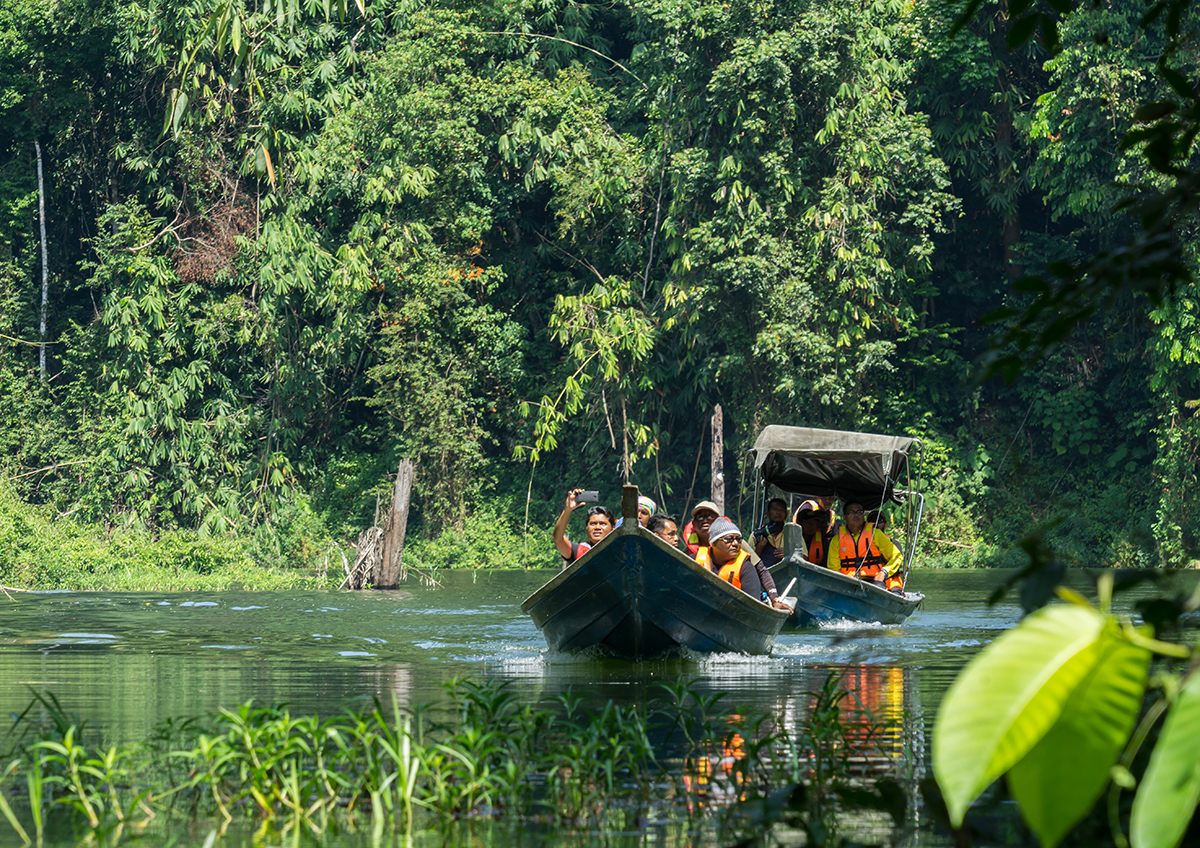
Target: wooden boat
822	594
635	596
862	467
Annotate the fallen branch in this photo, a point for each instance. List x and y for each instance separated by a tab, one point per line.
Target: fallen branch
955	544
53	467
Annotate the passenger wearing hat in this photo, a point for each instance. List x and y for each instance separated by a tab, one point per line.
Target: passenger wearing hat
646	510
816	538
695	532
822	504
725	555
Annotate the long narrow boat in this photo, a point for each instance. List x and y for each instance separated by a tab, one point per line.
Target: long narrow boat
635	596
862	467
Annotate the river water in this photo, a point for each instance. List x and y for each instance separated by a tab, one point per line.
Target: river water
126	661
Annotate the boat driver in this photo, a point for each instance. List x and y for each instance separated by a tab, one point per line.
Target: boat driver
726	556
863	551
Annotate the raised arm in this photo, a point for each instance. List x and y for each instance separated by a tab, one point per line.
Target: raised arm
561	542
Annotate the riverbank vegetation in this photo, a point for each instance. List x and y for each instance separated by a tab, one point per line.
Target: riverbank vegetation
680	760
253	254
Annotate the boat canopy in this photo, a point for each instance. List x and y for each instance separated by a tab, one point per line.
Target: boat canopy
862	467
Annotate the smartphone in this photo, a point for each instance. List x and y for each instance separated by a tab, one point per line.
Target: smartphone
587	497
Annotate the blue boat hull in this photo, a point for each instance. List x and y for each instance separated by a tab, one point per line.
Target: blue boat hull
821	595
634	596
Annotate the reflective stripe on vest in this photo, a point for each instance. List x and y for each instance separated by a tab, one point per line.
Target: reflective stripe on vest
863	558
691	539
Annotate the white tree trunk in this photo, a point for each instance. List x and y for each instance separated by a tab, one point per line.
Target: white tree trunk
45	262
718	459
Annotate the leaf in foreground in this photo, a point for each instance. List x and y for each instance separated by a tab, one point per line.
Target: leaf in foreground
1058	782
1166	800
1008	698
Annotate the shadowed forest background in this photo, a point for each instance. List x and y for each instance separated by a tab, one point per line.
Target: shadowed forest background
531	244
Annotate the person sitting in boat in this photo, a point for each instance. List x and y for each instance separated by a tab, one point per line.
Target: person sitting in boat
822	504
732	563
664	527
768	539
865	552
695	533
816	539
646	510
600	522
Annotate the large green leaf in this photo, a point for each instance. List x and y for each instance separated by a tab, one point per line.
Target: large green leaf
1061	778
1008	697
1166	800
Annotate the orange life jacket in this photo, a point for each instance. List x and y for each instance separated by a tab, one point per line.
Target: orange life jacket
730	572
863	559
816	549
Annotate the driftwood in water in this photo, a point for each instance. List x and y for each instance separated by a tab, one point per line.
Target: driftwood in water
389	570
370	552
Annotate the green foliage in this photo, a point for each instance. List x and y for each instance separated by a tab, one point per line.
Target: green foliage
1166	800
492	536
1052	704
285	235
481	757
39	549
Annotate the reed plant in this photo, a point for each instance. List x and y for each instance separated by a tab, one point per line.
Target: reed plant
571	764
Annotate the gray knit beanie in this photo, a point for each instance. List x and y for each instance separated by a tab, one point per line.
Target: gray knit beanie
722	527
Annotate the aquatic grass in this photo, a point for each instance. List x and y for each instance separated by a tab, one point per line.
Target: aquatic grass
573	765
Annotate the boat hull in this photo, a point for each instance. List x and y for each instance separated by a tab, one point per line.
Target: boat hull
633	596
822	594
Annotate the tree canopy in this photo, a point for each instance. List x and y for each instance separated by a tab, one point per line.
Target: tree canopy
531	242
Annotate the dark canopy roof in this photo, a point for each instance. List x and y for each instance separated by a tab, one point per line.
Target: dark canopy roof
860	467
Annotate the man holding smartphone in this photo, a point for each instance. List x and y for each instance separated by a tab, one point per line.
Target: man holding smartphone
600	522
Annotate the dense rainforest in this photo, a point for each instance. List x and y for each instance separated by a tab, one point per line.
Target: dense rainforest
255	251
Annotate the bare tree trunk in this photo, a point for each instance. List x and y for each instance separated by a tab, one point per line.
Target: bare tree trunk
718	459
45	262
624	442
390	570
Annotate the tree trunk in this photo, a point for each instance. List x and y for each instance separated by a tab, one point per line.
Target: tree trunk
45	262
718	459
390	570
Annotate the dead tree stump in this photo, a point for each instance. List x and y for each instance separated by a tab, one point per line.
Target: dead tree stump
389	570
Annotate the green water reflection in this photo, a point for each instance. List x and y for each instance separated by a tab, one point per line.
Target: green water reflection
125	662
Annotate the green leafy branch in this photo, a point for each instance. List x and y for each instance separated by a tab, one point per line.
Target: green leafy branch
1052	705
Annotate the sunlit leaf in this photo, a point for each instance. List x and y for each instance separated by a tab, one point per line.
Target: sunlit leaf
1008	698
1166	800
1058	782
